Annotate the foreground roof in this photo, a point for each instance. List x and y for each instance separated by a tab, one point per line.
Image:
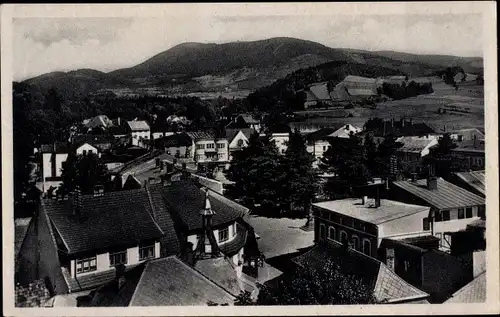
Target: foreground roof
387	287
474	292
445	196
115	219
475	179
388	210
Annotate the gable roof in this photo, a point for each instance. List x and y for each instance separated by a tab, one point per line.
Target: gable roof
139	125
474	292
221	271
171	282
201	135
116	219
320	91
186	200
232	133
475	179
414	144
388	210
92	139
445	196
99	121
385	284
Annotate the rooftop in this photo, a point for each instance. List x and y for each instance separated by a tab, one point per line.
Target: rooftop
386	285
388	210
470	146
92	139
175	140
414	144
445	196
115	219
139	125
201	135
474	292
475	179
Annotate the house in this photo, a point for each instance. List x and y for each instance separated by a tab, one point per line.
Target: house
316	94
206	147
139	130
474	292
364	223
159	129
161	282
84	237
92	143
469	134
387	287
312	125
346	131
403	127
452	208
98	122
415	147
52	158
473	151
177	144
318	142
244	121
119	129
237	139
473	181
419	262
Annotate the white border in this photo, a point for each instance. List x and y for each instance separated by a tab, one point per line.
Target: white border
487	9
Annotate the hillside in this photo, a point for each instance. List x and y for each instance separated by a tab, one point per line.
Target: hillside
209	67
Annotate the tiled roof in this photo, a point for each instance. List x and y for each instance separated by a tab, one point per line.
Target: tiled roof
474	292
118	218
234	246
475	179
200	135
138	125
175	140
388	210
220	271
186	200
232	133
171	282
386	285
445	196
413	144
320	91
56	147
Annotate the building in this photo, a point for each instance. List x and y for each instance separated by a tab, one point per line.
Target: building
92	143
346	131
469	134
387	286
316	94
139	130
474	292
237	139
52	158
473	181
206	147
98	122
163	282
415	147
420	262
281	141
473	152
177	144
244	121
452	207
363	223
312	125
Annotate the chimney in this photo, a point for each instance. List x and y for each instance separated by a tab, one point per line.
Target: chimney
402	123
98	190
76	201
377	198
432	183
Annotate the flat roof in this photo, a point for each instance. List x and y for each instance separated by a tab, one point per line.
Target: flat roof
388	210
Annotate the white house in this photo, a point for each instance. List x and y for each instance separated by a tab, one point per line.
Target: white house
87	148
53	156
346	130
237	140
207	148
139	130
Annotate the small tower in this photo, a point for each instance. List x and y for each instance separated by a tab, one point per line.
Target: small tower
207	232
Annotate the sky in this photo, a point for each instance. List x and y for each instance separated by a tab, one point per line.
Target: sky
42	45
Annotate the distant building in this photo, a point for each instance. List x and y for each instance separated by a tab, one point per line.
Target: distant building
473	181
177	144
98	122
208	148
238	139
469	134
244	121
452	207
415	147
53	156
139	130
473	151
92	143
317	93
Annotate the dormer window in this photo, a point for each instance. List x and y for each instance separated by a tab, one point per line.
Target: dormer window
223	235
118	258
86	265
146	252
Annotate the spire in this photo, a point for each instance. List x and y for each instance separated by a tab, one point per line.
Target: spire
207	210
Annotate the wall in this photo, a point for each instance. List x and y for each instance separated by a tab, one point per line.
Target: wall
46	165
88	148
173	150
60	158
232	234
27	262
479	262
222	154
234	143
455	224
405	227
210	183
49	266
444	274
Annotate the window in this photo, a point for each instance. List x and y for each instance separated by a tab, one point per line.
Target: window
446	215
200	146
223	235
240	143
468	212
461	213
90	152
118	258
355	242
367	246
437	216
84	152
322	231
481	211
407	265
146	252
210	146
426	224
331	233
86	265
324	148
343	237
221	145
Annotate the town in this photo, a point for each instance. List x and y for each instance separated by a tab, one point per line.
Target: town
270	172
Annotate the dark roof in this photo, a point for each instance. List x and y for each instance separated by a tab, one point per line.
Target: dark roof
231	133
175	140
474	292
92	139
159	126
392	243
115	219
56	147
445	196
240	124
474	179
234	246
248	118
171	282
132	183
470	146
221	271
201	135
186	200
386	285
322	133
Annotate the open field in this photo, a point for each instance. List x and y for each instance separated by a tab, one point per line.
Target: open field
468	99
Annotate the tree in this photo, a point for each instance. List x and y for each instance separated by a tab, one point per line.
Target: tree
244	298
257	173
443	159
85	171
386	154
300	178
370	153
326	285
